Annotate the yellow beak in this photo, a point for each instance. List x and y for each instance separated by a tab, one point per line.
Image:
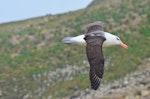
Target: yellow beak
123	45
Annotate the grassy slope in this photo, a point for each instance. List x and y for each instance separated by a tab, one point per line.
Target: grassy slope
34	46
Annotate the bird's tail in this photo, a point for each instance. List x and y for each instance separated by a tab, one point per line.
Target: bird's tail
67	40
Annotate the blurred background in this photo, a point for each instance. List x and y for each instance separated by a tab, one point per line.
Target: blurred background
34	64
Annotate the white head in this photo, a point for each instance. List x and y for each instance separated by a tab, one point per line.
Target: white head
117	41
113	40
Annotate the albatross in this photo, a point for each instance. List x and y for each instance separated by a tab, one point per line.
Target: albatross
95	39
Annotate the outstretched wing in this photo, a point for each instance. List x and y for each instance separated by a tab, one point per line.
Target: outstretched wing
98	25
96	59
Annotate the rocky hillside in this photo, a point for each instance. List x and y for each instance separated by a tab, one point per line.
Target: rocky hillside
135	85
36	65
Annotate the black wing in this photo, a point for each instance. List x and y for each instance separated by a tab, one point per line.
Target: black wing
96	59
98	25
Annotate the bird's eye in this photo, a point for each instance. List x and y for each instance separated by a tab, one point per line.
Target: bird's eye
118	38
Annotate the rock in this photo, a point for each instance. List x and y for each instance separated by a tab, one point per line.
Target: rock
127	97
115	86
137	97
145	93
1	93
26	96
125	82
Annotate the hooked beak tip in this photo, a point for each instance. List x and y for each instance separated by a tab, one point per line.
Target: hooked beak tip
123	45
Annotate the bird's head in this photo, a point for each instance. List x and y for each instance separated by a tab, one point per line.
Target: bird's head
118	41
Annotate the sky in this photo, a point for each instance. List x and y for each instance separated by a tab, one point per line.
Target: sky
14	10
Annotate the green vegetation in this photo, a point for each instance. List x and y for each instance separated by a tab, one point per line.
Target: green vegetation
33	48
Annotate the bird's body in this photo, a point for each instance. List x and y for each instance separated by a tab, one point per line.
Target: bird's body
79	40
95	39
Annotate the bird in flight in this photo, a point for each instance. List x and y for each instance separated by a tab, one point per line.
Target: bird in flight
95	39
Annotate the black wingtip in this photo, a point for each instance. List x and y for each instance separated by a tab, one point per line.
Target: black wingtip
95	83
95	87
